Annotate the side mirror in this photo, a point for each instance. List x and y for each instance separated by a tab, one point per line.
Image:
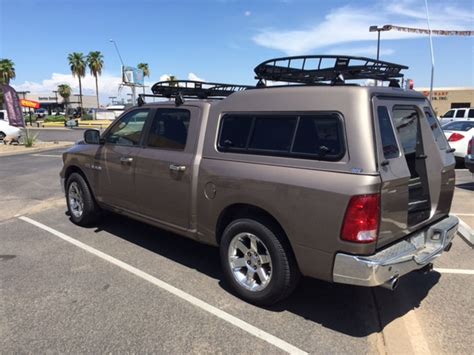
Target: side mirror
92	136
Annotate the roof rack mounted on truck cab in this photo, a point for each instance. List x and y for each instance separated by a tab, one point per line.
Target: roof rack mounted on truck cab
192	89
326	69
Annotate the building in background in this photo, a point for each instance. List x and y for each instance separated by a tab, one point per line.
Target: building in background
51	102
445	99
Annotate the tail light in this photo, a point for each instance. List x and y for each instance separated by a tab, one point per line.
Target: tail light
469	145
455	137
361	222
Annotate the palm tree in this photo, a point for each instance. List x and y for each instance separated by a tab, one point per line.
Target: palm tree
172	79
144	67
77	62
95	61
7	71
146	71
64	90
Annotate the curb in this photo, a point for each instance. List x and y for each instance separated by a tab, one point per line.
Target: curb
466	232
36	150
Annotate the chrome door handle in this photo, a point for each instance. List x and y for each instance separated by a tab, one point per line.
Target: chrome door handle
175	167
126	160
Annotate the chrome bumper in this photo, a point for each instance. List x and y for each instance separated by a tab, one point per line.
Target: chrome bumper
398	259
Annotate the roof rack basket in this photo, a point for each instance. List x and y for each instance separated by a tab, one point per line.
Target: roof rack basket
321	69
194	89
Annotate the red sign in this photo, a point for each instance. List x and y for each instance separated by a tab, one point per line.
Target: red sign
29	103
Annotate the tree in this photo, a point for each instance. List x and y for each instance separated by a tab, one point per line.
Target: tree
146	71
95	61
77	62
64	90
7	71
144	67
172	79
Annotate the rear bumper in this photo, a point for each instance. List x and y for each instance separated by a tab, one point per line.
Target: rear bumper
410	254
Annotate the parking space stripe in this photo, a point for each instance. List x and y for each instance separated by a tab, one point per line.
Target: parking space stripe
261	334
455	271
47	155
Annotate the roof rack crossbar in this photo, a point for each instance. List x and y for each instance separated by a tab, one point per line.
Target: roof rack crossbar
351	68
194	89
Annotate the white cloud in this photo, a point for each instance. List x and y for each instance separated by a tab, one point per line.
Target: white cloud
369	51
109	85
348	24
247	13
192	76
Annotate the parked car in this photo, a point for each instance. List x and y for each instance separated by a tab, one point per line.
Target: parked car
459	134
4	115
7	130
458	114
41	113
343	183
469	158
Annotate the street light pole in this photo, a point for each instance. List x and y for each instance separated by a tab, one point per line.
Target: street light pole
432	50
378	30
118	52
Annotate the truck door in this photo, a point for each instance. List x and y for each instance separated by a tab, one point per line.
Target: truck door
114	163
164	167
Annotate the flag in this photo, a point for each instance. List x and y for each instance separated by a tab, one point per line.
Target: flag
12	104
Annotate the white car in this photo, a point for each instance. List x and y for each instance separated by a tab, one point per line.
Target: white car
459	133
7	130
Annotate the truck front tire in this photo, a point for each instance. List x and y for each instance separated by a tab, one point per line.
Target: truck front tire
257	261
82	208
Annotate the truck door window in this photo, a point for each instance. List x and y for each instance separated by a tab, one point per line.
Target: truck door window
460	113
389	142
471	113
129	129
169	129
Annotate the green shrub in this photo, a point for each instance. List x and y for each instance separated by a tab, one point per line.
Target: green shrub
59	118
30	139
87	117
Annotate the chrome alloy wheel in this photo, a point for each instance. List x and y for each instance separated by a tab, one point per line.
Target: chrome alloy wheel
76	200
250	262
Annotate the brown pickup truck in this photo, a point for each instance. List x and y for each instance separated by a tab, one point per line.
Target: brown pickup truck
336	181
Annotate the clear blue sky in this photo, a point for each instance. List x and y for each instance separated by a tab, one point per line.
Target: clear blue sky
223	40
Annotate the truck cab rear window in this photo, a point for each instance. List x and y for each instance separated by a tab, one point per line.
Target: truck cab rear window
317	136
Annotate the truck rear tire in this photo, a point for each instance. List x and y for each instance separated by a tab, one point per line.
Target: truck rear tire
257	261
82	208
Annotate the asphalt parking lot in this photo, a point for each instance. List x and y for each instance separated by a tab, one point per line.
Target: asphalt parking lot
123	286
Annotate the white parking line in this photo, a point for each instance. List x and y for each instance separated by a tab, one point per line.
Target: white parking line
464	214
271	339
47	155
455	271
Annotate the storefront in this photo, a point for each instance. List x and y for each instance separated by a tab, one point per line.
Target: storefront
51	102
445	99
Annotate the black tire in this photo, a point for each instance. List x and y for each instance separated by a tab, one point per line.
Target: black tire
2	136
90	211
285	272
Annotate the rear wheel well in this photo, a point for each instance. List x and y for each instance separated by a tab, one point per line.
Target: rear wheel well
241	210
